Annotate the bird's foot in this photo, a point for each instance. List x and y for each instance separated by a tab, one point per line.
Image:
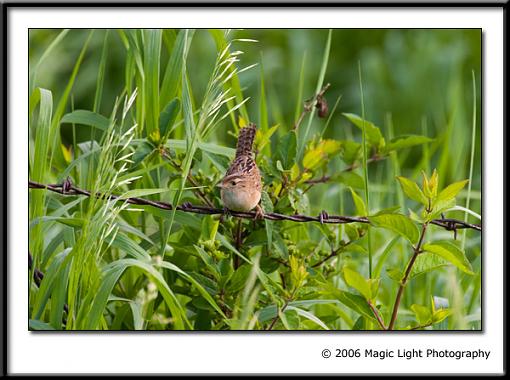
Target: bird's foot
259	213
226	213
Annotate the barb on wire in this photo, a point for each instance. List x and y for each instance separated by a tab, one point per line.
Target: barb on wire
67	188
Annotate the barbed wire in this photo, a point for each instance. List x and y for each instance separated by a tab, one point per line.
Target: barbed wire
67	188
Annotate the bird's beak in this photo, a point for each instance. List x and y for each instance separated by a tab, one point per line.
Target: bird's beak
219	184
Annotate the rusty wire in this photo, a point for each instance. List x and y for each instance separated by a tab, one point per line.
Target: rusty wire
67	188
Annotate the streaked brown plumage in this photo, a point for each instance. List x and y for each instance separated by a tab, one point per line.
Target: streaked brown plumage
241	188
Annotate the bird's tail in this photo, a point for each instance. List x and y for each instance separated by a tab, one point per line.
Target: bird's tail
245	140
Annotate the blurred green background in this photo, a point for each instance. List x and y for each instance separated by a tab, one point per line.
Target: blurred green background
421	78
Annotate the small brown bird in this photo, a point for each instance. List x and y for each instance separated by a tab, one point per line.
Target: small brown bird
241	188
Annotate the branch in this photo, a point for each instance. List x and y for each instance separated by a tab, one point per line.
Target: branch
67	188
309	104
419	327
377	315
403	283
275	319
333	253
350	168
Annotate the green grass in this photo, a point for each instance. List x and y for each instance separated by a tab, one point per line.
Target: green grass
365	170
155	114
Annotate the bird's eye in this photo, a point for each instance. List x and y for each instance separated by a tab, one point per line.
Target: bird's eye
233	183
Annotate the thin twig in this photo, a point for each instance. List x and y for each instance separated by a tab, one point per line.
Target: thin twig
377	315
239	241
332	254
278	315
417	250
350	168
421	326
309	104
68	189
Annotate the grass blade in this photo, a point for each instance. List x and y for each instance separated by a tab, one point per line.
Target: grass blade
303	139
472	159
365	170
151	59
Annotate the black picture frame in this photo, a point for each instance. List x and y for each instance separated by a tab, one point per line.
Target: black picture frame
6	207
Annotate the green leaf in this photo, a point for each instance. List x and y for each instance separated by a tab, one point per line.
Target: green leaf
308	315
414	216
151	61
59	294
137	193
450	252
374	284
299	201
43	135
350	151
208	147
269	312
173	72
289	319
168	116
439	208
85	117
422	313
350	179
374	135
35	324
398	223
49	282
412	190
361	209
450	191
201	290
142	151
111	274
128	246
356	303
427	262
319	154
352	232
358	282
314	158
395	274
209	227
263	138
209	262
408	141
388	210
239	278
329	146
440	315
383	257
286	150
